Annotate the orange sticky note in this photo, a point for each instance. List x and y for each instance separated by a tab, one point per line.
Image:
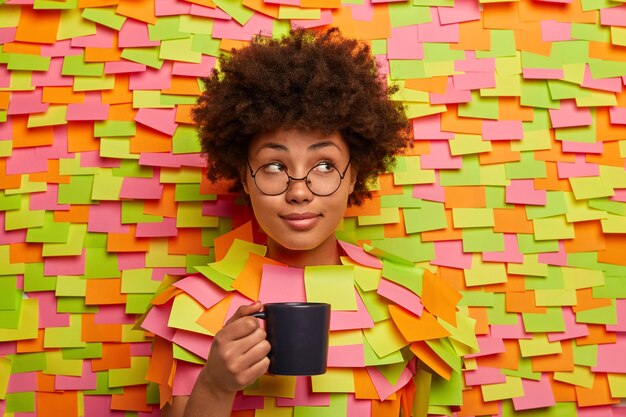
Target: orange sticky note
500	153
93	332
465	197
599	394
187	241
114	356
363	386
133	399
522	302
23	137
213	319
431	359
50	403
142	10
104	291
224	242
38	26
415	328
439	297
61	95
127	242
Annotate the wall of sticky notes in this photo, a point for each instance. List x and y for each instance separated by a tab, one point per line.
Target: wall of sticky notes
515	189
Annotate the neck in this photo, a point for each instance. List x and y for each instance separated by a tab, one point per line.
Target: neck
325	254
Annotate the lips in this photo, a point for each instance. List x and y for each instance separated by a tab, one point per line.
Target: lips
301	221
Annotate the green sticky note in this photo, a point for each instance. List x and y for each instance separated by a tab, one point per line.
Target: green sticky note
189	214
55	116
176	99
552	228
191	192
105	16
70	286
480	107
24	218
132	213
408	171
185	312
469	174
602	315
12	303
387	215
464	144
603	68
578	278
100	264
511	388
72	25
526	167
185	140
286	12
28	362
113	128
472	217
476	298
102	386
76	65
528	244
74	305
106	186
372	359
235	9
402	69
430	216
72	247
392	372
20	402
581	376
555	205
384	338
446	393
138	303
57	365
105	82
27	62
586	355
6	267
375	304
195	24
561	90
130	168
411	248
116	147
614	287
9	293
583	134
78	191
524	370
482	239
135	375
168	27
89	351
34	279
27	323
205	43
190	175
535	93
550	321
138	281
147	56
185	355
404	200
484	273
552	280
332	284
338	407
406	14
158	256
409	276
502	44
64	337
179	50
149	99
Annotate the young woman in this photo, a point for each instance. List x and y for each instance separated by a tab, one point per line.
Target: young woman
302	125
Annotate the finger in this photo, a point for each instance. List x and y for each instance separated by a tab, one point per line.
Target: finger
255	371
245	310
238	329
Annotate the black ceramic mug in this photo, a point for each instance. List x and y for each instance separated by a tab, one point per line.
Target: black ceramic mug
298	334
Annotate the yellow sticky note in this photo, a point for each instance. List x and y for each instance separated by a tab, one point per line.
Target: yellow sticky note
531	266
388	215
273	386
553	228
617	385
65	337
510	389
590	187
57	365
539	345
235	260
185	312
346	337
555	297
135	375
409	171
270	409
484	273
465	143
614	224
472	217
577	278
158	256
332	284
334	380
28	323
73	246
5	372
581	376
385	338
189	214
106	186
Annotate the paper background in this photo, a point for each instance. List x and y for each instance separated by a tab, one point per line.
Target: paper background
515	188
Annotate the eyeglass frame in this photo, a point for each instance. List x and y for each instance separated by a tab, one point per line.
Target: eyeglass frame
290	178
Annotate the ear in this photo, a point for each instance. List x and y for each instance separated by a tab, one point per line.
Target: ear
243	177
352	179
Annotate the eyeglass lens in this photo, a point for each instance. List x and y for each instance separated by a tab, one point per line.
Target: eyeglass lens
322	179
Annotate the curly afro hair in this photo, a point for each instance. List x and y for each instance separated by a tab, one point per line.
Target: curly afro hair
313	81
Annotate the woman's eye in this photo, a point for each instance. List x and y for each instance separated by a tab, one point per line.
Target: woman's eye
324	167
274	168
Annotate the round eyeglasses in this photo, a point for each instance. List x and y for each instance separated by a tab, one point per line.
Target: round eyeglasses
273	179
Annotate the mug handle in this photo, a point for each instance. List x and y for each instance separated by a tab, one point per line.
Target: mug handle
259	315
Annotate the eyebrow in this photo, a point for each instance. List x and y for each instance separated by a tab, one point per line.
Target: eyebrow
313	147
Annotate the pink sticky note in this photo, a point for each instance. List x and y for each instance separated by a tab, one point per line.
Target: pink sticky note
23	382
7	35
282	284
440	157
524	192
106	217
50	78
583	147
621	313
100	406
362	12
511	252
383	388
27	102
358	408
189	69
5	76
510	331
601	411
450	253
474	80
87	381
197	343
152	78
613	16
436	32
503	130
169	160
304	396
162	120
542	74
430	192
201	289
402	44
237	300
89	159
167	228
156	321
135	34
569	115
214	13
573	329
345	320
185	377
231	29
484	375
554	258
91	109
537	394
48	316
141	188
358	255
613	85
141	349
580	168
451	95
401	296
553	31
617	115
11	236
347	356
23	161
64	265
171	8
620	195
429	128
487	345
473	64
463	11
121	67
103	38
61	49
131	260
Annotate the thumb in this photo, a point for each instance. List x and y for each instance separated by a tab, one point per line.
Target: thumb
246	310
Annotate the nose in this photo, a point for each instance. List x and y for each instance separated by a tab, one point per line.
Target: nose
298	191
